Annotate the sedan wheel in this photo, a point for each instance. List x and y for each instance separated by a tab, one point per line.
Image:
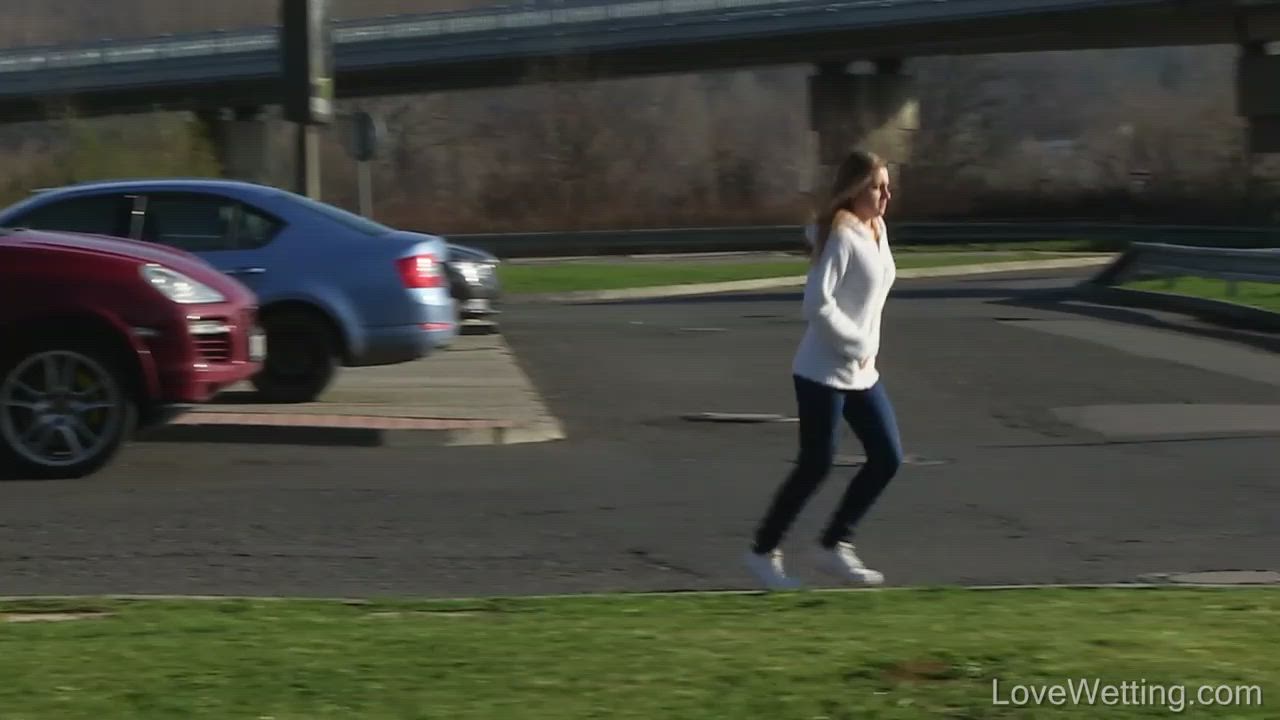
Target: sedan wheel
301	358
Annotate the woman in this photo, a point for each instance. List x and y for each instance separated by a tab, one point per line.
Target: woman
835	373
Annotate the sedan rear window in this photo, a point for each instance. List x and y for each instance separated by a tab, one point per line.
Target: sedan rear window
94	214
337	214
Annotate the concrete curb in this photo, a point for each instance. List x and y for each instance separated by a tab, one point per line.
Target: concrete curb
392	415
352	431
665	291
1217	311
657	593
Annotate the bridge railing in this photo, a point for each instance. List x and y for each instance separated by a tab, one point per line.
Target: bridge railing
520	16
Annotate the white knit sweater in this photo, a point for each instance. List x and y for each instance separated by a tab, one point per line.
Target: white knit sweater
844	299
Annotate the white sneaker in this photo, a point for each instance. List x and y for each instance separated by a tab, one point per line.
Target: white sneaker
845	563
768	570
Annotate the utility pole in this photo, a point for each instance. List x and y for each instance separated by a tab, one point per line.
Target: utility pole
307	59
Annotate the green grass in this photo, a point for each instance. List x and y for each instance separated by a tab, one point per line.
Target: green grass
520	279
1256	294
906	654
1063	246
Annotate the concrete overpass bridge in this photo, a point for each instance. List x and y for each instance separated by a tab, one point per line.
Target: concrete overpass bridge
491	47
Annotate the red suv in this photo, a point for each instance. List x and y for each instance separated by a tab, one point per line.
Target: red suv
100	336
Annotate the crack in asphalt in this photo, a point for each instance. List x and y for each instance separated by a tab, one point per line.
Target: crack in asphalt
1017	527
648	558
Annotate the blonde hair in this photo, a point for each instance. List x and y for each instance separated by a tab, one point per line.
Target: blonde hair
853	177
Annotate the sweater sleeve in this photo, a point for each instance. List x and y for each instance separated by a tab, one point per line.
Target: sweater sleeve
821	309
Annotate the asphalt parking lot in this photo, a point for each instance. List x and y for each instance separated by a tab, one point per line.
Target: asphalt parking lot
1046	442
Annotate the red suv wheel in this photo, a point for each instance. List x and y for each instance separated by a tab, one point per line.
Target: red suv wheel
64	411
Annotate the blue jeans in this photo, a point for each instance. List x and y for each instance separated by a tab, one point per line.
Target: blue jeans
871	417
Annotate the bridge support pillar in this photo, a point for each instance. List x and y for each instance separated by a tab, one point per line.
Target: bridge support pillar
242	141
1258	95
874	110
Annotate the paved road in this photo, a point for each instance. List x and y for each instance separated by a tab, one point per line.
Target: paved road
1005	487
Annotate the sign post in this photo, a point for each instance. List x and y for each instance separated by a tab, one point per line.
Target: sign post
307	60
367	135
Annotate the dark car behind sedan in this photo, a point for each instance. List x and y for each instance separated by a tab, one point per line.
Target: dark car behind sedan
473	281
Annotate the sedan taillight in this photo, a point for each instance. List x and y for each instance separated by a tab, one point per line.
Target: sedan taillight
420	271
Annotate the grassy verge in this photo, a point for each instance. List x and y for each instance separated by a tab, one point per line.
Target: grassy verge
1257	294
897	654
611	275
522	279
1064	246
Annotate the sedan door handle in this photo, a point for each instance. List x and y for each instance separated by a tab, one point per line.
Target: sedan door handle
247	271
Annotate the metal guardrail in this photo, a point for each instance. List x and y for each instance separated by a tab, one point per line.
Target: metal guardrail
1156	261
1101	236
1148	261
1172	261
